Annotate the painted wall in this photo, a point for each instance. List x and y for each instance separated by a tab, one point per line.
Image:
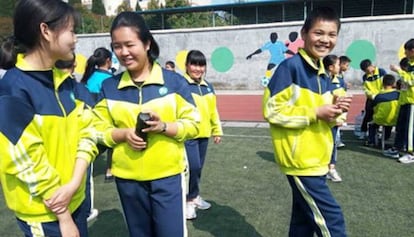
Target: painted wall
379	39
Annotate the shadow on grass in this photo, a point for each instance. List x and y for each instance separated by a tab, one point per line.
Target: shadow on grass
265	155
224	221
109	223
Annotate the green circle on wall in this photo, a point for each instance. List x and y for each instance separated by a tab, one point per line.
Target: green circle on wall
360	50
222	59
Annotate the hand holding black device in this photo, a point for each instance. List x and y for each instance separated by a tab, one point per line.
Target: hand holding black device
141	124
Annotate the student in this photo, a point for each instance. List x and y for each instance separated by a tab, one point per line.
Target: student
372	83
49	138
170	65
98	68
299	107
331	64
408	78
401	127
210	125
386	109
344	62
149	175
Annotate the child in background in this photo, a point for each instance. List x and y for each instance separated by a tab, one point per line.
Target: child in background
344	62
401	129
170	65
210	126
331	64
408	78
372	83
386	109
300	109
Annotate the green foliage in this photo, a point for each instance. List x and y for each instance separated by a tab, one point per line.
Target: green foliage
74	2
124	7
98	7
138	7
7	8
6	26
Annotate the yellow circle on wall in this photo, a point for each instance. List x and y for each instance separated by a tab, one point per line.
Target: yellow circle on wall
180	59
80	63
401	52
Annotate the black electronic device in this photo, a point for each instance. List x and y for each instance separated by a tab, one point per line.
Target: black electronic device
141	124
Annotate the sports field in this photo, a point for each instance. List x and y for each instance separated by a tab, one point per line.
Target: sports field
251	198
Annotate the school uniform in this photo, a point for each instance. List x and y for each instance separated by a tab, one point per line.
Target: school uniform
210	125
386	109
150	182
45	125
295	90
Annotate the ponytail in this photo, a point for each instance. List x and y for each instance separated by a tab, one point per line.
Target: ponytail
8	53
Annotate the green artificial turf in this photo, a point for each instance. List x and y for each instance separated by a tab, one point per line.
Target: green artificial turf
250	197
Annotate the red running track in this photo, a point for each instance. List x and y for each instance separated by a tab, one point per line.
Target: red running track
248	108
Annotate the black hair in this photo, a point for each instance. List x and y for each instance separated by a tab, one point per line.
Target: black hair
28	16
409	45
388	80
329	60
66	64
137	22
7	54
344	59
321	13
97	59
404	63
171	63
365	64
195	57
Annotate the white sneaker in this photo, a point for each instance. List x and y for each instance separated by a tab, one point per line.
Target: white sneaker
92	216
391	153
406	159
333	175
340	145
201	203
190	208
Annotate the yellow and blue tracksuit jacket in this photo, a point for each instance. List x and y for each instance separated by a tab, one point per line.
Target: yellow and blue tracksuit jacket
408	78
386	107
45	125
372	83
205	100
338	88
302	143
165	93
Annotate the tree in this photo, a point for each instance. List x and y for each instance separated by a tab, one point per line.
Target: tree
98	7
74	2
7	8
124	7
138	7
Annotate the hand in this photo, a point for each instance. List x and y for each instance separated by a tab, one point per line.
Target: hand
217	139
343	102
134	141
155	124
394	68
328	112
67	226
60	200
